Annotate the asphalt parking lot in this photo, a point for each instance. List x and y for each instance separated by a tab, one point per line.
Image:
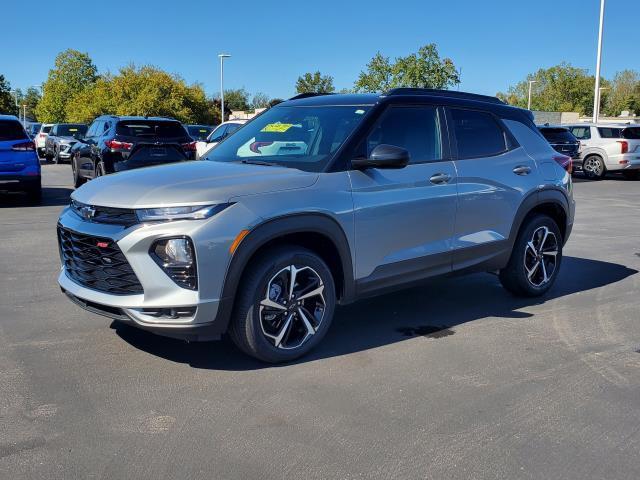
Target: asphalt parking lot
455	379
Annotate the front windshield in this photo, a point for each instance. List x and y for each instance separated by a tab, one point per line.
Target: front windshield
298	137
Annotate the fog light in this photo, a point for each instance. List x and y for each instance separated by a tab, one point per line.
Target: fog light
177	258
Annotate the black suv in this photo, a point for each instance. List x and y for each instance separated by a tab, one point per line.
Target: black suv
113	144
561	139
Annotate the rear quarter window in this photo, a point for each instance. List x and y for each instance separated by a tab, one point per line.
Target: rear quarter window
606	132
11	130
477	133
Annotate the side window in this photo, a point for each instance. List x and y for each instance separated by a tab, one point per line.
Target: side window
416	129
478	134
606	132
218	134
92	130
54	131
231	128
581	133
107	127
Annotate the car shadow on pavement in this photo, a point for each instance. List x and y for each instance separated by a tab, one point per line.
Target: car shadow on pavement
433	310
51	197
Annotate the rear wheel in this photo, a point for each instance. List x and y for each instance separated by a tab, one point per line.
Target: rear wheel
593	167
285	305
535	259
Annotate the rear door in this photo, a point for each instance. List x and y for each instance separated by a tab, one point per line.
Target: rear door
404	218
494	176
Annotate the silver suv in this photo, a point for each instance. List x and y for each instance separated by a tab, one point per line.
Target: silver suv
606	147
319	201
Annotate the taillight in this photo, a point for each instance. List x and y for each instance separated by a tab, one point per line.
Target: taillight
565	162
24	147
189	147
624	146
256	146
117	145
43	135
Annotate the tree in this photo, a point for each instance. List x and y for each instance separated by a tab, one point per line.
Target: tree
73	72
423	69
315	83
236	99
260	100
624	93
142	91
31	100
275	101
7	100
561	88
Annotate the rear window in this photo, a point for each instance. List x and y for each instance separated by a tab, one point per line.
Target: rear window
631	133
46	128
477	134
606	132
557	135
72	130
11	130
199	132
150	128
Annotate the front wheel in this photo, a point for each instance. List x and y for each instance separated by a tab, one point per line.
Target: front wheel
78	181
535	258
285	305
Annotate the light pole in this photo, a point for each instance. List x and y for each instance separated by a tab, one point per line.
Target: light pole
222	57
531	82
596	92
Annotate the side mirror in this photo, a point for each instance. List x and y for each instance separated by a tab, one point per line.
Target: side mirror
383	156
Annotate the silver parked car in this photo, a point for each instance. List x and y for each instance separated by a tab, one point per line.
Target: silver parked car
606	147
376	192
61	138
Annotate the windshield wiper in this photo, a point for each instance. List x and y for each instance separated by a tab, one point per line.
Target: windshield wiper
259	162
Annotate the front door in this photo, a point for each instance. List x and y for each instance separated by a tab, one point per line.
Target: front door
404	218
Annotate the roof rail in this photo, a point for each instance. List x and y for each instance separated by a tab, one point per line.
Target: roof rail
443	93
308	94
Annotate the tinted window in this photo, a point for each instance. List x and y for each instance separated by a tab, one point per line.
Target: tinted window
92	129
477	133
558	135
198	132
71	130
11	130
415	129
150	128
218	134
606	132
46	129
631	133
581	133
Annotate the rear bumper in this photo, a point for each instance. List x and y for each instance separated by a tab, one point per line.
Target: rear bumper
18	183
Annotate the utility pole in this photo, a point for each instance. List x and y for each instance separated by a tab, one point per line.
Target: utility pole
222	57
531	82
596	93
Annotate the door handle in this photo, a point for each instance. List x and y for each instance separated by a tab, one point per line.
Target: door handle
440	178
522	170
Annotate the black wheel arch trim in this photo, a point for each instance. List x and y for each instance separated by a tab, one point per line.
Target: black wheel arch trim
272	229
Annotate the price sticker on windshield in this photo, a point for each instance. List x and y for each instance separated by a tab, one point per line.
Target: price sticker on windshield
73	129
277	127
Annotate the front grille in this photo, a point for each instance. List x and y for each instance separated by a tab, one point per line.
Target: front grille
110	215
97	263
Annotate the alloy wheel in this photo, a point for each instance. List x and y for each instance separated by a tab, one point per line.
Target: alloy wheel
540	257
593	167
293	307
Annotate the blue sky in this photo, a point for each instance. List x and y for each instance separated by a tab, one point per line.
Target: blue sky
495	42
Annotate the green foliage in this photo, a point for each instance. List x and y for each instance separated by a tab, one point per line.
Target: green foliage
260	100
7	100
142	91
236	99
31	100
624	94
561	88
424	69
275	101
315	83
73	72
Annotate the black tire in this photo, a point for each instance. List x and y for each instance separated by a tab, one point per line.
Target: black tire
34	192
631	174
514	277
78	181
48	158
56	158
259	282
593	167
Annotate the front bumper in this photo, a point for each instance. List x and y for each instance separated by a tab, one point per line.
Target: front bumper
159	291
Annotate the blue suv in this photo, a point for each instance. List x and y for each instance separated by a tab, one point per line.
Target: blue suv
19	164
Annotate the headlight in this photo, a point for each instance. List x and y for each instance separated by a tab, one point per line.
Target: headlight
164	214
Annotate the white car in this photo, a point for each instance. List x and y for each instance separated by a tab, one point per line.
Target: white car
217	135
606	147
41	138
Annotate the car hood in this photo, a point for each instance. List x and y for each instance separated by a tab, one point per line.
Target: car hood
189	183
